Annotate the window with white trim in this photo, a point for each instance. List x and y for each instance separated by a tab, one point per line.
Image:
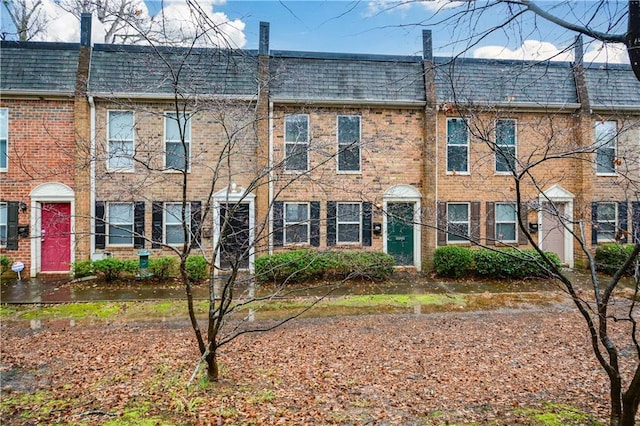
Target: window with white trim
4	139
296	142
120	223
606	132
506	222
349	222
296	223
173	230
505	145
120	140
177	129
458	222
607	221
457	145
3	224
348	143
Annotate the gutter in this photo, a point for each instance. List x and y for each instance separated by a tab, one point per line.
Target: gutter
271	174
342	102
29	94
92	175
168	96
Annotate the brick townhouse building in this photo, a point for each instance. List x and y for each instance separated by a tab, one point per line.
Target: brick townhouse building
306	149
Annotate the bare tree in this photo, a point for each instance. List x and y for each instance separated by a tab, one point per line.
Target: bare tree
27	16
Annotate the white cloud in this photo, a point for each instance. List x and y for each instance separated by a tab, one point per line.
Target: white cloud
437	5
387	6
541	50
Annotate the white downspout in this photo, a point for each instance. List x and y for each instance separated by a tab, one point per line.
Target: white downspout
437	173
270	165
92	175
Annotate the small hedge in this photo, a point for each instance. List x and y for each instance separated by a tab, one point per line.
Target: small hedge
456	262
5	264
611	257
301	265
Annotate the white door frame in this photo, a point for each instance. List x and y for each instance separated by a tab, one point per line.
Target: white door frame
51	192
557	194
405	194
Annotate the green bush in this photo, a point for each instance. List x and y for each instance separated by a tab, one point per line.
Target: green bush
110	268
82	268
197	268
611	257
131	266
511	263
452	261
301	265
5	264
163	268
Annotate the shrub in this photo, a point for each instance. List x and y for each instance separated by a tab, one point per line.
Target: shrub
301	265
110	268
5	264
611	257
511	263
82	268
452	261
163	268
197	268
131	266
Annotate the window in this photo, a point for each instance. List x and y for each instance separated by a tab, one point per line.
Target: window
457	222
3	224
173	231
296	142
176	155
120	140
4	139
348	143
120	222
348	222
506	222
505	145
296	223
606	225
457	145
606	147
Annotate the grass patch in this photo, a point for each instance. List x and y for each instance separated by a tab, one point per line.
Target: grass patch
559	415
99	310
398	300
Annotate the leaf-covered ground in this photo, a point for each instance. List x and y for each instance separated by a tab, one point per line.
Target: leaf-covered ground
509	366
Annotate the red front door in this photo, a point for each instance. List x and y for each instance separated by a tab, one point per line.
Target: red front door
55	238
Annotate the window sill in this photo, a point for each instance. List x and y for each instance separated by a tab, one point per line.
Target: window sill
175	171
349	172
120	170
601	174
458	173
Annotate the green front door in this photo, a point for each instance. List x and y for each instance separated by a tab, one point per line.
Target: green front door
400	232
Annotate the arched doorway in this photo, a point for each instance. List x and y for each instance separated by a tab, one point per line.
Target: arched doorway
401	225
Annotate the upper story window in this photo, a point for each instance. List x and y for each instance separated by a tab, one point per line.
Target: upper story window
120	140
348	143
348	221
606	132
177	139
3	224
173	229
458	222
296	142
120	222
296	223
607	223
505	145
457	145
506	222
4	139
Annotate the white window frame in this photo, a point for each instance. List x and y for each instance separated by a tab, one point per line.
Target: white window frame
499	146
306	222
348	222
614	222
113	222
465	145
175	222
459	240
602	130
296	142
513	223
342	145
4	223
111	140
170	117
4	138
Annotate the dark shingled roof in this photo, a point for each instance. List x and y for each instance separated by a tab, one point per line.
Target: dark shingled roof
612	86
38	67
308	76
144	70
492	81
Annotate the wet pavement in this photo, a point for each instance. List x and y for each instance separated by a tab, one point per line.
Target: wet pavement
61	290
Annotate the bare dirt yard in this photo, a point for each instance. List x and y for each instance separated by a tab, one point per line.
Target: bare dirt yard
511	366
